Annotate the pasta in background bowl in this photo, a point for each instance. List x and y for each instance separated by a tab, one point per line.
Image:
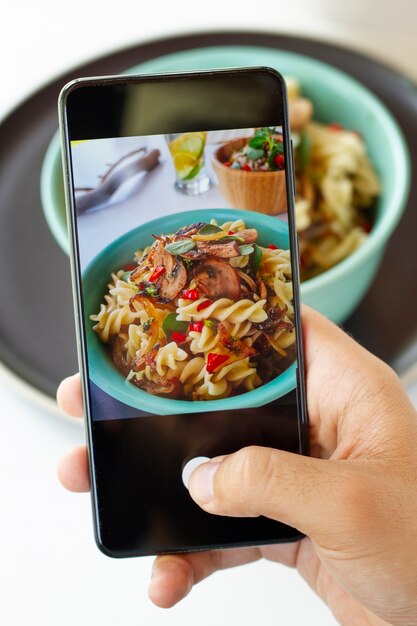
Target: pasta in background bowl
337	97
105	268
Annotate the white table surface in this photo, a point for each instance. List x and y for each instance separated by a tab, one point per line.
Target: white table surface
51	573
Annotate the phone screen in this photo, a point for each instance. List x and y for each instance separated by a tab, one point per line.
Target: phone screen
185	264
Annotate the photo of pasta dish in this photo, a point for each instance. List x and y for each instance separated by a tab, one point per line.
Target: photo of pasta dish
201	314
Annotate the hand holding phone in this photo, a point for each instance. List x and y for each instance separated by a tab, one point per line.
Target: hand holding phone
346	499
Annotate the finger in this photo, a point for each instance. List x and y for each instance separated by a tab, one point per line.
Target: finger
69	396
306	493
73	471
173	576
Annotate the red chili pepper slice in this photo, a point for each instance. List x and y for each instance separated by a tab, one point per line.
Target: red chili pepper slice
129	267
231	232
158	271
178	337
227	163
247	167
335	126
204	304
197	326
191	294
272	247
214	361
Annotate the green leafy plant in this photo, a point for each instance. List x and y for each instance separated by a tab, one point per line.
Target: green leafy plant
265	143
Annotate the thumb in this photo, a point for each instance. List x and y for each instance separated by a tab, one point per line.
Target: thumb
310	494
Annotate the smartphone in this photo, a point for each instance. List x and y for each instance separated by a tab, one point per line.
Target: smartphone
180	199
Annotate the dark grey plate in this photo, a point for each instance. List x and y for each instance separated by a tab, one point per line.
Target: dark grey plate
37	338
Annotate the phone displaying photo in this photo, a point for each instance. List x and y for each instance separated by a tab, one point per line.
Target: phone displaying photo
185	272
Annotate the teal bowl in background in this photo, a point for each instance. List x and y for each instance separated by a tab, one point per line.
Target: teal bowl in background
95	278
52	193
337	98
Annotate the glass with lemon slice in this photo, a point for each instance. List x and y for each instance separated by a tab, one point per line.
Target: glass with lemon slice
187	151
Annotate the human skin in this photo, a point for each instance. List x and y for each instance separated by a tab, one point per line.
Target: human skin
355	498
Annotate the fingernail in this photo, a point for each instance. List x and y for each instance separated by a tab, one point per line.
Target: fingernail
202	482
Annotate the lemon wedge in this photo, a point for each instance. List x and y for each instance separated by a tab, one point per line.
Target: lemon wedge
187	150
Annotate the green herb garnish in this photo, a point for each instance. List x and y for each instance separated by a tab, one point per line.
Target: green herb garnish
256	259
126	276
180	247
188	263
210	229
146	325
148	289
171	325
246	249
152	290
231	238
210	324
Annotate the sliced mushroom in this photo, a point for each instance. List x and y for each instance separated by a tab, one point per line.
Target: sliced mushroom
194	255
118	355
187	231
275	321
175	276
138	272
159	253
217	279
173	281
225	250
160	387
248	280
262	289
249	235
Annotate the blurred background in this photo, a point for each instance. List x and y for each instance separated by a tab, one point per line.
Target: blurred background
51	571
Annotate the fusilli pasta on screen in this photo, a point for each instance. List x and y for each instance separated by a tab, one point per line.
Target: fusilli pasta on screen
196	319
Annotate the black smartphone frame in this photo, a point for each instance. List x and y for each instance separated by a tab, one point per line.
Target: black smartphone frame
78	102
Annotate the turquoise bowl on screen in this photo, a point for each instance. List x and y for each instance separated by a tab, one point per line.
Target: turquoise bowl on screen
102	370
337	98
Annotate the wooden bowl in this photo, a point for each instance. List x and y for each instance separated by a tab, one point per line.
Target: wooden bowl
263	192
